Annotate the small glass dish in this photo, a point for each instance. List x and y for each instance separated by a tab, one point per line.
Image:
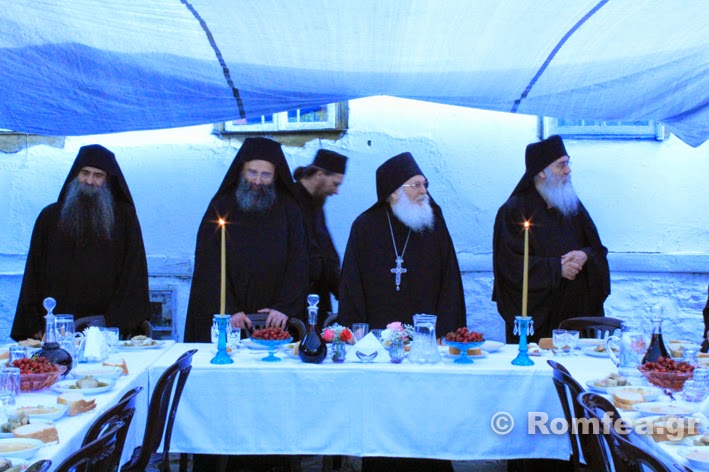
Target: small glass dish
366	358
38	381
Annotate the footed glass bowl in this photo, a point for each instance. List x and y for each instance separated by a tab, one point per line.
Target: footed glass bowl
272	345
463	347
31	382
670	380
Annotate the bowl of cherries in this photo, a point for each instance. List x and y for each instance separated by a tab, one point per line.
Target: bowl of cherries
667	373
272	338
37	373
463	340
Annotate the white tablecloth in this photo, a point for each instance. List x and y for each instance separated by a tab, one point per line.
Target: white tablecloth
398	410
72	429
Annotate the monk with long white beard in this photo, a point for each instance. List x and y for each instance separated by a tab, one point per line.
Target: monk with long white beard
568	269
400	261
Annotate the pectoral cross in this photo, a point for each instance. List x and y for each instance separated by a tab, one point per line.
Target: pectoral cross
398	270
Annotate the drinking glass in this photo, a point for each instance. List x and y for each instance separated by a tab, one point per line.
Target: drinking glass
9	385
377	333
560	339
233	336
360	330
16	352
572	339
111	335
64	327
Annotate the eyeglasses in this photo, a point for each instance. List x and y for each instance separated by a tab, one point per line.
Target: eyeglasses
252	174
417	186
563	165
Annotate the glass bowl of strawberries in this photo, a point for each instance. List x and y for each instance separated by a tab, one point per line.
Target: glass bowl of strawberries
667	373
463	340
272	338
37	373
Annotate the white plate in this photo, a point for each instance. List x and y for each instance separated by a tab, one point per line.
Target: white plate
10	435
697	456
491	346
590	351
65	386
15	461
590	342
100	372
651	394
252	345
33	446
662	409
128	346
57	411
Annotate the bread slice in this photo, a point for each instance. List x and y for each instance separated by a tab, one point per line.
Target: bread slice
625	399
77	403
122	364
547	343
43	431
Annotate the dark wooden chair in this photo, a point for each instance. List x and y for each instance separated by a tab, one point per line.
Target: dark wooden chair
295	326
97	456
40	466
598	327
161	418
122	412
331	318
582	445
625	455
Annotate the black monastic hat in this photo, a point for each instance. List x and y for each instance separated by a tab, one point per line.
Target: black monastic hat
330	161
537	157
95	155
395	172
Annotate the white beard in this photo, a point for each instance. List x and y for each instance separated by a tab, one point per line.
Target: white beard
418	217
558	194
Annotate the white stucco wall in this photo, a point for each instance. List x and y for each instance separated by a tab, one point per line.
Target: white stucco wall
646	198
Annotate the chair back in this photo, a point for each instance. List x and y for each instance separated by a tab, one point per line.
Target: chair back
97	456
295	326
626	456
568	390
331	318
40	466
122	412
161	414
598	327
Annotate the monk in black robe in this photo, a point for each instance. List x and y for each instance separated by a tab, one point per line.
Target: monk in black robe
87	251
314	184
400	261
568	268
266	259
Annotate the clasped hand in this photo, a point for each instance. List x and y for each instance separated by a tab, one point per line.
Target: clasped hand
275	319
572	263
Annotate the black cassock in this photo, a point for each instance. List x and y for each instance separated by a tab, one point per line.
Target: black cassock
107	278
431	284
266	263
551	298
324	261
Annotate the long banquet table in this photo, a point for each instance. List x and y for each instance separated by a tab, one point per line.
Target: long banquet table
72	429
379	409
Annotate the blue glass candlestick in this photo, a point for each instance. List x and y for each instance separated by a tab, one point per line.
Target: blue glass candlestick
523	326
222	357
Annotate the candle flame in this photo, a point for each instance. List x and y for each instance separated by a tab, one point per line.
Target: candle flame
221	222
526	225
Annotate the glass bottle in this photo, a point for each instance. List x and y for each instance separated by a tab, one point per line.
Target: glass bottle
312	348
657	347
51	349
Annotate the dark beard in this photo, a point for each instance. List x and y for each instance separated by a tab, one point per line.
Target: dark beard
255	198
87	212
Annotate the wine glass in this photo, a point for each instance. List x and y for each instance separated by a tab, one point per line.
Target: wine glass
111	335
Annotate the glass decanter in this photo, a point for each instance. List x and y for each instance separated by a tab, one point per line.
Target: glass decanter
51	350
312	348
657	347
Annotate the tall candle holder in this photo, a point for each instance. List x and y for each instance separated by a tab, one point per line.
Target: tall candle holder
222	357
524	326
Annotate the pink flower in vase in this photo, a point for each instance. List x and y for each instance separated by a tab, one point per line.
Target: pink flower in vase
328	335
395	326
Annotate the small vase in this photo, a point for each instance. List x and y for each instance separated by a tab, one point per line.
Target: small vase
339	352
396	352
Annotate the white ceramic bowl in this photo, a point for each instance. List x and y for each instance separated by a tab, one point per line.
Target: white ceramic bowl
43	412
650	393
24	448
100	372
698	456
661	408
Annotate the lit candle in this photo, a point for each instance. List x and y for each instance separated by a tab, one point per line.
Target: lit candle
525	273
222	295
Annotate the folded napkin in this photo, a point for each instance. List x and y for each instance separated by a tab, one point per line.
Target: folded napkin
95	348
367	345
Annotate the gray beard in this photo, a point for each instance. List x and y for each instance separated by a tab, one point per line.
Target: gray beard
417	217
255	199
87	212
558	194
